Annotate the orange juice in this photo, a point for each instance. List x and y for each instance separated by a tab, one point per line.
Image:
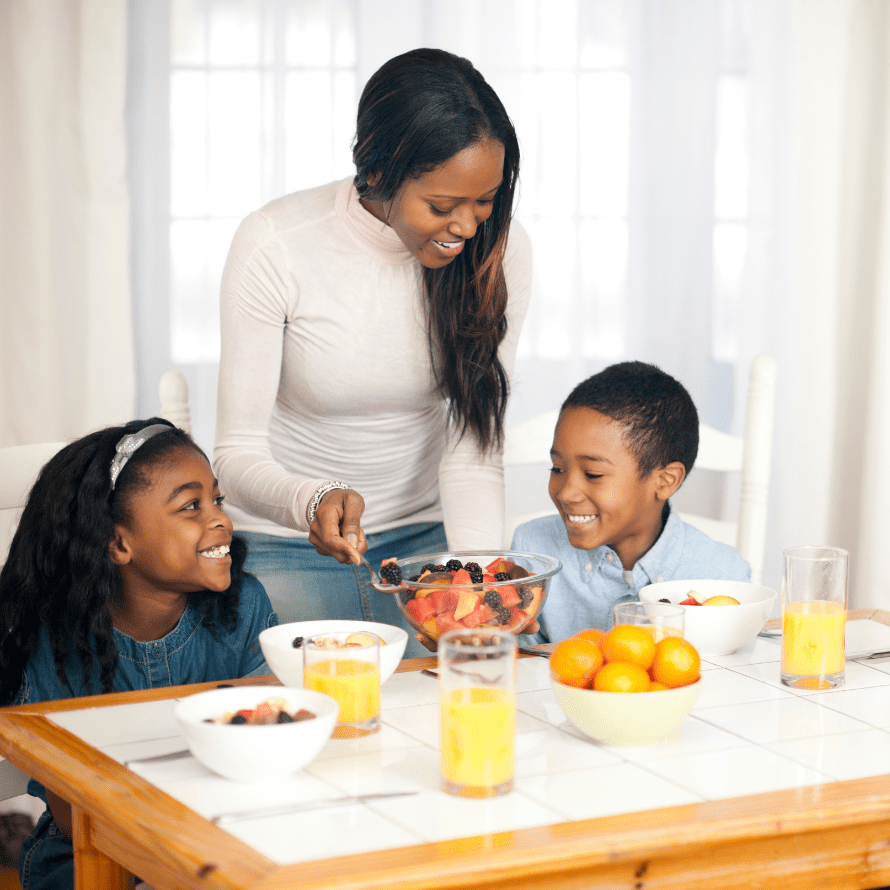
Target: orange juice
813	638
478	726
355	684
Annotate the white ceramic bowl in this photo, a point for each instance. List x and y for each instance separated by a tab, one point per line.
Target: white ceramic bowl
255	753
626	718
717	630
286	662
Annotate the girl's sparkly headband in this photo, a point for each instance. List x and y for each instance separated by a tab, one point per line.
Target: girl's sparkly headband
128	445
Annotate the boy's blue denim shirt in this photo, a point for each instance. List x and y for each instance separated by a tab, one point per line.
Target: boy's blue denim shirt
188	654
590	582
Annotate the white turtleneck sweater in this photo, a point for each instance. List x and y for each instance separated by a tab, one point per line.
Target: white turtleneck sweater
325	375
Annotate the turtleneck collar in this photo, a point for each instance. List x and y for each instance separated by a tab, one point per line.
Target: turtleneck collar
374	237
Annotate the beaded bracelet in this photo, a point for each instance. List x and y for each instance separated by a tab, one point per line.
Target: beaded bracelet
321	491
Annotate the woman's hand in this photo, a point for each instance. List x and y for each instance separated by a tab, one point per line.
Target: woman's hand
336	529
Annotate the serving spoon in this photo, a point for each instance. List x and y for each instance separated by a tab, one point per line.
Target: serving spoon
376	582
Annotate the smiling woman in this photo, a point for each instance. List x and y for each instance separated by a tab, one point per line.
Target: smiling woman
369	327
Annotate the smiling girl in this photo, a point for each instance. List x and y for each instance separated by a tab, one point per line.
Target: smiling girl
123	574
369	327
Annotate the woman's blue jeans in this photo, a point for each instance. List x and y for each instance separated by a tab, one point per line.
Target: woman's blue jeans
304	586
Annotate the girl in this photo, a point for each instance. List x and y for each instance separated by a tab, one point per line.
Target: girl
123	574
369	327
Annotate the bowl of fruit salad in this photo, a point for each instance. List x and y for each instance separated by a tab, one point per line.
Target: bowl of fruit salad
721	616
483	588
256	733
624	687
282	645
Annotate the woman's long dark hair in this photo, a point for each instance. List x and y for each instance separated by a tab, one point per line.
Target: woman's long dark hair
416	112
59	574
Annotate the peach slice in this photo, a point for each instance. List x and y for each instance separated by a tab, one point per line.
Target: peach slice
721	600
364	638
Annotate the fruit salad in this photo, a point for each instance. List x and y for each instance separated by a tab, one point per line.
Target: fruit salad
465	595
271	711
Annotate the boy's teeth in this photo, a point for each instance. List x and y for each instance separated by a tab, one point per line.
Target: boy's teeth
580	518
216	552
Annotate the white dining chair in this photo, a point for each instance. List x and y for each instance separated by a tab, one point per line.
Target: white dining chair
749	454
174	392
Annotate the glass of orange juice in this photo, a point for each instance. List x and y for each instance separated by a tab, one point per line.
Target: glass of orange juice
350	673
477	706
814	614
659	619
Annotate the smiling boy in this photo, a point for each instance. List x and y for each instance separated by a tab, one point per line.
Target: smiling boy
624	442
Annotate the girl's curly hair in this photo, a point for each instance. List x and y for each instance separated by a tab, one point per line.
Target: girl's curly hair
59	574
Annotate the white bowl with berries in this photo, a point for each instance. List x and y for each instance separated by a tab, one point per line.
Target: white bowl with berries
283	645
720	616
256	733
505	589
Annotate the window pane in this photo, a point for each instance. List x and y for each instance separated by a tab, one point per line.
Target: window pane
557	96
604	143
234	31
602	33
555	269
187	32
558	34
233	155
730	250
731	155
197	254
600	315
188	143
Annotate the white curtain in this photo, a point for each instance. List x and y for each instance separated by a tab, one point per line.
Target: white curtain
66	342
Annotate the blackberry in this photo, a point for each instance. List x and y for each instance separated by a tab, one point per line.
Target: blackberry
405	595
427	568
492	599
284	717
414	578
298	641
439	568
664	600
473	567
453	565
525	597
501	576
238	718
391	573
476	575
504	615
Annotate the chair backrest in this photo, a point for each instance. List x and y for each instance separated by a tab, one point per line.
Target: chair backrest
174	392
750	454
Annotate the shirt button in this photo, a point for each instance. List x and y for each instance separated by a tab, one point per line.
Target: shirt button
588	567
610	557
659	578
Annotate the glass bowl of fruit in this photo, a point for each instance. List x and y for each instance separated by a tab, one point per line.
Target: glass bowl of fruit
439	592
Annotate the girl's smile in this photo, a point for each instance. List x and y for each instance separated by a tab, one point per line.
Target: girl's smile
177	537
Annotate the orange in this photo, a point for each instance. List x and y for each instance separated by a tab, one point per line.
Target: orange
676	663
627	642
656	687
594	634
574	662
621	676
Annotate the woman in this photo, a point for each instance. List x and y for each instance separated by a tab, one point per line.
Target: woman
368	330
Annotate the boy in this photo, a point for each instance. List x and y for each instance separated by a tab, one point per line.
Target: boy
624	442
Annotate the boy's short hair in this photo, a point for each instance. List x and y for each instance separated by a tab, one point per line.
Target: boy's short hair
658	413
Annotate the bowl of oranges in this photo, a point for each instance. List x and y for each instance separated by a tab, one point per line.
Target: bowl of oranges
625	687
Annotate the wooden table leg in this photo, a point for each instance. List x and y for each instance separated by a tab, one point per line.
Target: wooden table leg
93	870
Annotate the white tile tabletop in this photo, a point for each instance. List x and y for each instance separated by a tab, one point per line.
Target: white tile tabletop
775	738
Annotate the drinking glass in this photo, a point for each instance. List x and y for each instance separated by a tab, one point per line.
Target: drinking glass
814	613
660	619
477	701
351	675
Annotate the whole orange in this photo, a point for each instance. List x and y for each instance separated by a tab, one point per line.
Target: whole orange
575	661
627	642
621	676
676	663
